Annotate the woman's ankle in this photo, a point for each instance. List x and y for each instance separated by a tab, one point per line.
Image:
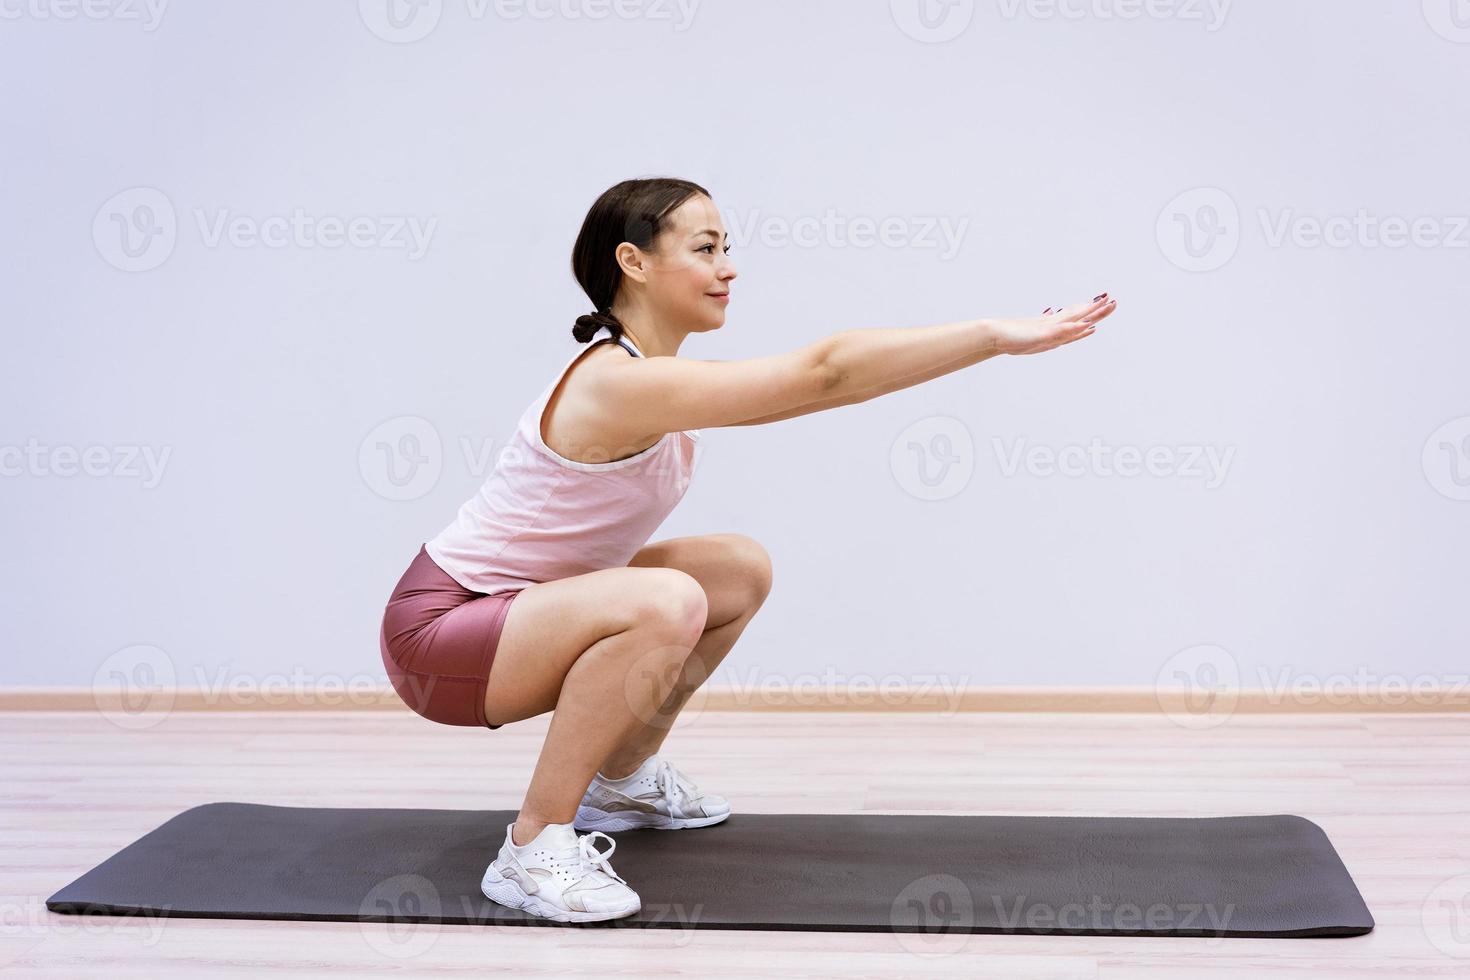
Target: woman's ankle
621	770
524	830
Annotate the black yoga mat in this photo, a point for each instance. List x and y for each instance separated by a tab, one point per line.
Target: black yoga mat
1249	876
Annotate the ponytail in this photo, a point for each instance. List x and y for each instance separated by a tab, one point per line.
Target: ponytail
589	323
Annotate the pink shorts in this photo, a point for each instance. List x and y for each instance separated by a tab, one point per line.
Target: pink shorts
438	641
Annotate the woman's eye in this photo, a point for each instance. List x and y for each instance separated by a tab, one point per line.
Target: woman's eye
711	245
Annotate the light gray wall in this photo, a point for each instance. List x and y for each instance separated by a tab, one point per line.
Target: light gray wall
1067	149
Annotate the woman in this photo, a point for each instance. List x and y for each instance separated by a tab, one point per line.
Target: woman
542	595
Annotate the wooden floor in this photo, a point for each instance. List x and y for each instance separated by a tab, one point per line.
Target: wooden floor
1392	792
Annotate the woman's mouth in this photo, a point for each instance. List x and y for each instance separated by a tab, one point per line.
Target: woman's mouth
722	297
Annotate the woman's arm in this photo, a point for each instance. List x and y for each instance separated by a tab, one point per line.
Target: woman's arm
894	384
859	360
875	350
643	396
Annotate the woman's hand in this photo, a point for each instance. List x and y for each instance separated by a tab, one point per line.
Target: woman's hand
1032	335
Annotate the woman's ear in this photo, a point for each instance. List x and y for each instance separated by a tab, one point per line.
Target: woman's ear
631	259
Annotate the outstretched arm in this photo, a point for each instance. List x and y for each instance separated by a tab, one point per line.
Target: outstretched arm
664	394
872	352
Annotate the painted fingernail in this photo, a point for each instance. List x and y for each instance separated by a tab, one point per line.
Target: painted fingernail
1098	297
1046	311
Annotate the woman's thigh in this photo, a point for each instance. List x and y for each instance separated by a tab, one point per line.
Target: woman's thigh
551	624
733	569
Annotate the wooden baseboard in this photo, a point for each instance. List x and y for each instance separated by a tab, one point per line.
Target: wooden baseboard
1186	706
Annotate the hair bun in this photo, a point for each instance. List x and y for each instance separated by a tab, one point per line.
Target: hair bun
589	323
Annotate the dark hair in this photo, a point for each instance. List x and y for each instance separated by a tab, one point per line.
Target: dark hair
631	211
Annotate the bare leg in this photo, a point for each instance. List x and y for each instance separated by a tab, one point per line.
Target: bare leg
646	739
585	647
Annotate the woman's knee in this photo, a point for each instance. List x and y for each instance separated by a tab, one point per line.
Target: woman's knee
755	565
669	601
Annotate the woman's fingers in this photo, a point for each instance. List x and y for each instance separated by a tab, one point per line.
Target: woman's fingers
1086	309
1102	312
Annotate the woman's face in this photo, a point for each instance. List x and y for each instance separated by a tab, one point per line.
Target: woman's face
691	270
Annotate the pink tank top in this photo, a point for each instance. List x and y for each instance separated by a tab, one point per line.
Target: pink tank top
541	517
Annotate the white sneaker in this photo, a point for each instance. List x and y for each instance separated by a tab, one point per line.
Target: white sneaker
657	796
559	876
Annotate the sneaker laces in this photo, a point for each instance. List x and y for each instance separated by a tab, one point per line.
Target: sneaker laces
592	860
675	786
